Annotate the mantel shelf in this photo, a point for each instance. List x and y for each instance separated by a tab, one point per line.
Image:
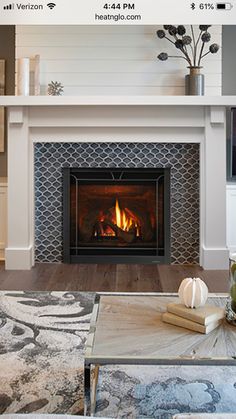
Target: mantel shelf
10	101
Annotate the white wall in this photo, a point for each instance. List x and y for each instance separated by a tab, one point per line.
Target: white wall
111	60
229	60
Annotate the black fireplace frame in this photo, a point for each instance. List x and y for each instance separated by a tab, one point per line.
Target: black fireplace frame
86	174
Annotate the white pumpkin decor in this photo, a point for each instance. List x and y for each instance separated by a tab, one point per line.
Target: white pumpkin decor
193	292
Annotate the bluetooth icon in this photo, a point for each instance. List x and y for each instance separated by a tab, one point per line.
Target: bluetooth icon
193	6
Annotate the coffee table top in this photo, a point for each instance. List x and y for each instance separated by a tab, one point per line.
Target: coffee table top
129	329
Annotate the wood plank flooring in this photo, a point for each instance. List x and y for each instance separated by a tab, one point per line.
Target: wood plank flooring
110	278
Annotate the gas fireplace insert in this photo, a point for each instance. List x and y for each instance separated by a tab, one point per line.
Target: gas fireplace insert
116	215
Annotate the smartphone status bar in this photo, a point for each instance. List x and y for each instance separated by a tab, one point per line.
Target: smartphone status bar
133	12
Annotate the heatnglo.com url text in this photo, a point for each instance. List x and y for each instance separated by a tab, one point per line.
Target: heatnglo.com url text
116	17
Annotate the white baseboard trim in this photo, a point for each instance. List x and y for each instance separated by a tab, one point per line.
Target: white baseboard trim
18	258
215	258
22	258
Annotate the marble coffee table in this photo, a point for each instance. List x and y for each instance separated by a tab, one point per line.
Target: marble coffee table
127	329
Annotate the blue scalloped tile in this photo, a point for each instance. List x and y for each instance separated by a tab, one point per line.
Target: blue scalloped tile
50	158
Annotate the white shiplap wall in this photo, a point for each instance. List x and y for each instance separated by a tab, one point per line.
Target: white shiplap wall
111	60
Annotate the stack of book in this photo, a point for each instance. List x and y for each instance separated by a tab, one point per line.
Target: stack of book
202	319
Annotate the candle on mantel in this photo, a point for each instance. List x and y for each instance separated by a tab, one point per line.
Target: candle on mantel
23	76
37	75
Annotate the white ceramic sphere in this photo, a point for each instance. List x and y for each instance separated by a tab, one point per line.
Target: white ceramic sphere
193	292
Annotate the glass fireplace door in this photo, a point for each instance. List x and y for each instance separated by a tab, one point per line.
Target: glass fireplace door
120	214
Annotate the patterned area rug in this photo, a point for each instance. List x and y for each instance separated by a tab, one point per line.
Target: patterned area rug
41	351
42	338
160	392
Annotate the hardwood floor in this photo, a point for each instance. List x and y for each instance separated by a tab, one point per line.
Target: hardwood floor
114	278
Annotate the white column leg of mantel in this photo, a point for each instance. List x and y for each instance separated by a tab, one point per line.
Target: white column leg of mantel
19	252
214	253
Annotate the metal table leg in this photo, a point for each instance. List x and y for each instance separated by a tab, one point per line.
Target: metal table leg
87	389
94	389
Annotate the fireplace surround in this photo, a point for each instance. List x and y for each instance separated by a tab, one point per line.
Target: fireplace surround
52	122
51	159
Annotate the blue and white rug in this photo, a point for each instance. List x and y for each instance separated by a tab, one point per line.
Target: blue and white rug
42	338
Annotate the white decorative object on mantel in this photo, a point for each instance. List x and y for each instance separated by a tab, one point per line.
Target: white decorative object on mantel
23	77
37	75
193	292
55	88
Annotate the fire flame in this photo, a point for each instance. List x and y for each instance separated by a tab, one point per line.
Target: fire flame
125	219
121	219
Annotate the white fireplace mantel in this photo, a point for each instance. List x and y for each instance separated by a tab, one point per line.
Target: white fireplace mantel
117	100
161	121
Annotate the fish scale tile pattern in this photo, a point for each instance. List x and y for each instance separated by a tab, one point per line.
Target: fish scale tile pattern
183	159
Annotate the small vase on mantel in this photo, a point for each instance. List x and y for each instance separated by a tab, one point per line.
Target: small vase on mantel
231	303
194	82
23	77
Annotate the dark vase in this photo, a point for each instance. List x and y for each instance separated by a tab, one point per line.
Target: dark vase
194	82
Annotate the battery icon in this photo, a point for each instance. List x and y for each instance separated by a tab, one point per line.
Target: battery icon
224	6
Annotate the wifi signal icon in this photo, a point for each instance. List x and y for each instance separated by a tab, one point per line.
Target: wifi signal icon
51	5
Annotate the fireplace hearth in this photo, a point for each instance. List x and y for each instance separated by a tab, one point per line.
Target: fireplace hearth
116	215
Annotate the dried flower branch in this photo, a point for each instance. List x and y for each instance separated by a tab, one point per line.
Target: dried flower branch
186	44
